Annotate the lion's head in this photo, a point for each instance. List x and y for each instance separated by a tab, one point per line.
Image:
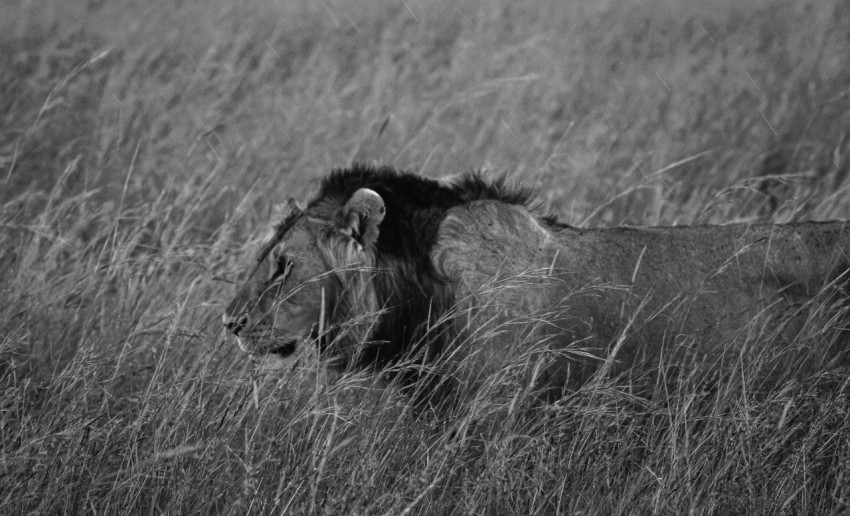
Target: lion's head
311	268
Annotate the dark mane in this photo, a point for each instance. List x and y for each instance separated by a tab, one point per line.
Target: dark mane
413	294
415	205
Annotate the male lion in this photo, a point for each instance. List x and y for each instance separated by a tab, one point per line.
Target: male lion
383	264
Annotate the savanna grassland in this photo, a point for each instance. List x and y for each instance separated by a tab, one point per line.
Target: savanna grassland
142	145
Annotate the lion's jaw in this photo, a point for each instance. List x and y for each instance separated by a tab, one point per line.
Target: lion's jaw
272	361
276	340
271	358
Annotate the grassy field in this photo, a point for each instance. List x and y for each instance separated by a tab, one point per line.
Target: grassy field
142	145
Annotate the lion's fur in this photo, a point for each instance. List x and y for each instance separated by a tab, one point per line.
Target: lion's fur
466	269
409	291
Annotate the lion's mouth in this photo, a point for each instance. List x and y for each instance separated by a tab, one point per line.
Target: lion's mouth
277	357
284	350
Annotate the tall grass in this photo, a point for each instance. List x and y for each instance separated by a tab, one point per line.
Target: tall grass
142	144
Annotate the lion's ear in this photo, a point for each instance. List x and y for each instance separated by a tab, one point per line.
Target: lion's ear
361	216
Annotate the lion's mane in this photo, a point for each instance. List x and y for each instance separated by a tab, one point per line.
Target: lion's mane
398	280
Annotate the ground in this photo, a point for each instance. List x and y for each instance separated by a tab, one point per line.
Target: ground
143	144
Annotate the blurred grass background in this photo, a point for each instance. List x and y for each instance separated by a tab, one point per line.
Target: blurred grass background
142	144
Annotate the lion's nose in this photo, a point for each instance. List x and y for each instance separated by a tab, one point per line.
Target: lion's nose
234	324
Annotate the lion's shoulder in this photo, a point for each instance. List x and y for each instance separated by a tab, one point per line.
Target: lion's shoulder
487	235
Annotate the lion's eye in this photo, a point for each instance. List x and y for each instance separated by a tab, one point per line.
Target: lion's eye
282	268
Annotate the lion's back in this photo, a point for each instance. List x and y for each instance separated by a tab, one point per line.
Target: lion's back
521	283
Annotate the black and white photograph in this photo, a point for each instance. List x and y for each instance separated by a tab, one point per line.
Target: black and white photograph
424	257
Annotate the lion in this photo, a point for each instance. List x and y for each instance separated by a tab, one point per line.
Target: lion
383	265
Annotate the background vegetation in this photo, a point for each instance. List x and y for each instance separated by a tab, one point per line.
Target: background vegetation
142	144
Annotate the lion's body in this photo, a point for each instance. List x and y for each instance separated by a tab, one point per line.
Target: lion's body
466	273
661	290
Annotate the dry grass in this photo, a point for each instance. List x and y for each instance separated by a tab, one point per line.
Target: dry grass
142	143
